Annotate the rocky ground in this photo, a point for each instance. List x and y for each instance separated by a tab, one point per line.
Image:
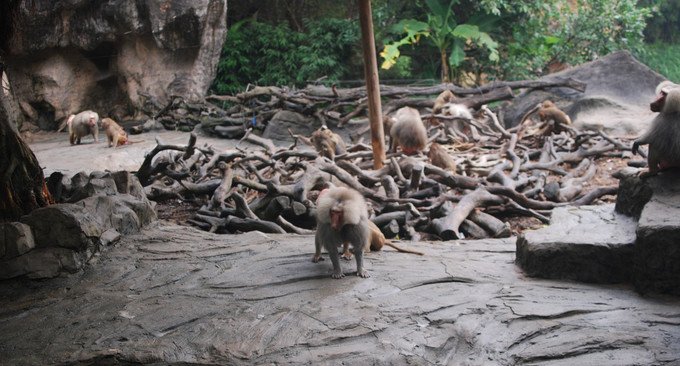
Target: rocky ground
177	295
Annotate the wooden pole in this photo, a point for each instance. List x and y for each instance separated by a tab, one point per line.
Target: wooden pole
372	83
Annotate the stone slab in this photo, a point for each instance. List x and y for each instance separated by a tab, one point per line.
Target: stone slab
657	249
587	243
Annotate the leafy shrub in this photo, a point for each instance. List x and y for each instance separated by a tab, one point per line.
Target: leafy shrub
663	27
662	58
264	54
327	49
569	32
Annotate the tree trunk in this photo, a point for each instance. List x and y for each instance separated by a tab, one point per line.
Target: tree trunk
446	74
22	183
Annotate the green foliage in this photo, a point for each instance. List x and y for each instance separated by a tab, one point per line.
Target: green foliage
569	32
663	27
450	37
263	54
662	57
402	69
327	49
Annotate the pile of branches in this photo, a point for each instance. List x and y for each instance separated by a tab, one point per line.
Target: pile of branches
525	171
232	116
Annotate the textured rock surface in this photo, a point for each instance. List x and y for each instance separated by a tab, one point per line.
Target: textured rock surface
64	225
277	128
619	105
175	294
587	243
656	202
108	205
67	56
15	239
657	249
633	194
43	263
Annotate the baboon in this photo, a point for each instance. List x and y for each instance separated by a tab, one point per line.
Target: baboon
549	111
444	98
408	131
456	110
441	158
114	133
82	124
341	217
664	86
663	135
375	243
327	143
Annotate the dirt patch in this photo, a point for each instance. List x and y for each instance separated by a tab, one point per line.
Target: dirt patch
177	211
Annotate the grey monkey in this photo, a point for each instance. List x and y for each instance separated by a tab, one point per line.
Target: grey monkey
341	218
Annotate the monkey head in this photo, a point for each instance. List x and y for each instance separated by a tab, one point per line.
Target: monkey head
662	91
657	104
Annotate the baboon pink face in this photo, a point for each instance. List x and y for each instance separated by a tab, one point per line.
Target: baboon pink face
657	104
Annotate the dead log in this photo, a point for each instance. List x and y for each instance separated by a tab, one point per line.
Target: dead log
416	176
144	171
495	227
521	199
361	174
472	230
235	224
390	187
222	191
449	179
266	143
292	228
391	229
594	194
384	219
447	227
242	208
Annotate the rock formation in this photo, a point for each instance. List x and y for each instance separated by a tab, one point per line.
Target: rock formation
635	240
67	56
94	211
616	100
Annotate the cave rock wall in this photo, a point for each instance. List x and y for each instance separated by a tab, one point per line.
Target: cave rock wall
64	56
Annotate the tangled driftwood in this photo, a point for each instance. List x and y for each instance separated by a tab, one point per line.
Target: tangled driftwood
526	171
231	116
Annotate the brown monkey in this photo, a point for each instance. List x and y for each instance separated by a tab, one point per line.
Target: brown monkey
441	158
388	122
663	135
328	143
444	98
341	217
549	111
115	134
82	124
375	243
408	131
